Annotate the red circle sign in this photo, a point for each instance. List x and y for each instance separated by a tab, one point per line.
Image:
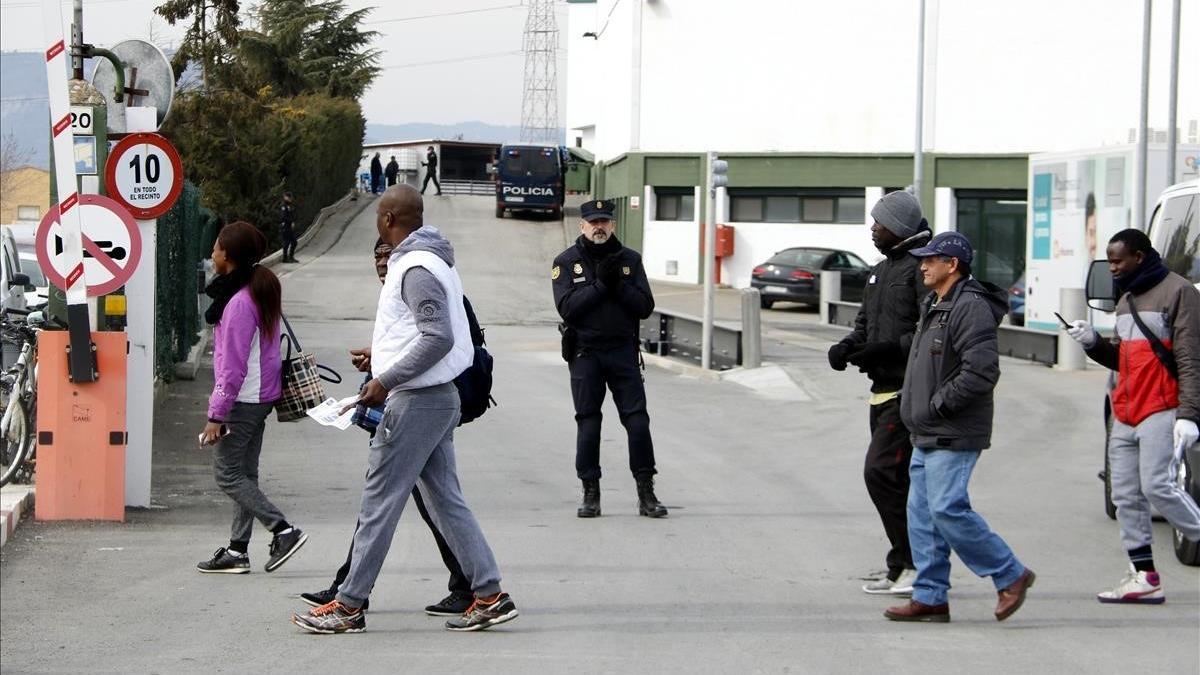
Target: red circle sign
112	245
144	175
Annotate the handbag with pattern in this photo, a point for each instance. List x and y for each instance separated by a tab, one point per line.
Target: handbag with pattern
302	377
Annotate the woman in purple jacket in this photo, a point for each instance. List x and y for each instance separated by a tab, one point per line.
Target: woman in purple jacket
247	372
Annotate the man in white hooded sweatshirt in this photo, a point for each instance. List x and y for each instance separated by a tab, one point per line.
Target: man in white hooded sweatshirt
420	344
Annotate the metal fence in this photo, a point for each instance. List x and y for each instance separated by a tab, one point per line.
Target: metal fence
184	235
468	187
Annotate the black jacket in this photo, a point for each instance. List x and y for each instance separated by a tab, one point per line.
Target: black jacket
953	368
376	167
889	312
392	169
602	316
431	161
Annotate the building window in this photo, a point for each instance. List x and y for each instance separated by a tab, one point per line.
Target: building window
783	210
794	205
28	213
675	204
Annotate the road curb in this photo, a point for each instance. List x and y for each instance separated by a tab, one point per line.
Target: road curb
16	501
770	380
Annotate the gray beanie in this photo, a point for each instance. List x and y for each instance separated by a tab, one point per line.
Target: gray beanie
899	212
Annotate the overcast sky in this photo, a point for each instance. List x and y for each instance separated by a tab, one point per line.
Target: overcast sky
444	62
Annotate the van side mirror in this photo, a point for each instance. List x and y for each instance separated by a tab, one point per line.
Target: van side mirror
1101	294
18	279
492	170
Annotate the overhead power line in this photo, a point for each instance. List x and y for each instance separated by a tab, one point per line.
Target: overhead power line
459	59
441	14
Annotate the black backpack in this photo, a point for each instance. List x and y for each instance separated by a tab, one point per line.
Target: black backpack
475	383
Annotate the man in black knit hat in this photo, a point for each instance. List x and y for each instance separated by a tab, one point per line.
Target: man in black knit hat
879	344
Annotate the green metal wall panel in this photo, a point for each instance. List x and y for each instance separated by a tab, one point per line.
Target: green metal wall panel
818	170
990	173
675	171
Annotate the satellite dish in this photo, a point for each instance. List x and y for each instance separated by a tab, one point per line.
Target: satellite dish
147	72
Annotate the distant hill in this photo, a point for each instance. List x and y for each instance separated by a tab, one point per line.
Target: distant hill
416	131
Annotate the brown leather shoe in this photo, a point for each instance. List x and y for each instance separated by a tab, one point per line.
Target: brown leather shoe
916	611
1013	597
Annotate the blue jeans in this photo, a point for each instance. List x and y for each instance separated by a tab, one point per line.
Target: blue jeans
940	518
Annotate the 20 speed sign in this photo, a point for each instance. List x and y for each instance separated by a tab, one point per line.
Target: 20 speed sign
144	175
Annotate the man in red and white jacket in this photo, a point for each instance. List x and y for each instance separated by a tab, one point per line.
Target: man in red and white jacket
1155	410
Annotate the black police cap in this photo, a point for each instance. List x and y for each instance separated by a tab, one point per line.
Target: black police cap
597	209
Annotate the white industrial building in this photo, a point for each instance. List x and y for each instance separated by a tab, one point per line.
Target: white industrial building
814	106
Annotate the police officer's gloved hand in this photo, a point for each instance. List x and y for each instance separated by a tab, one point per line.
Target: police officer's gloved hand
872	353
609	272
837	356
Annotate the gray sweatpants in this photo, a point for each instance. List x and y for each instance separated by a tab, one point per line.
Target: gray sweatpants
1141	461
415	441
235	466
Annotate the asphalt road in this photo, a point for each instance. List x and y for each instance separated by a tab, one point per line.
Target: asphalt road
757	569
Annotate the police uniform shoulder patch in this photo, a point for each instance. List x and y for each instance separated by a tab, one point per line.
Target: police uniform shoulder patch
577	269
626	271
556	273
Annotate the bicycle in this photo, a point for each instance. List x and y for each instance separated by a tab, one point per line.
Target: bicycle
18	400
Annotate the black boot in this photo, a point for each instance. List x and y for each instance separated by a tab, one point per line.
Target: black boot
590	508
648	504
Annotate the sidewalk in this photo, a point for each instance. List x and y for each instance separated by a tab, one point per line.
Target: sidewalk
16	503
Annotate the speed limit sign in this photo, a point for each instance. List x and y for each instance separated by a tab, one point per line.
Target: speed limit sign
144	175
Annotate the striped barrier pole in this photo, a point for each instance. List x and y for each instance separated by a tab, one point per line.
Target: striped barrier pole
80	362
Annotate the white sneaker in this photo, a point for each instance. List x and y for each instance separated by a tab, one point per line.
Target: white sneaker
1136	587
901	586
904	582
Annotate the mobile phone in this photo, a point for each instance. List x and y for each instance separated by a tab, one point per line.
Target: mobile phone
1062	320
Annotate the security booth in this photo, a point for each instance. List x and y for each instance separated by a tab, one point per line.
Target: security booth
579	171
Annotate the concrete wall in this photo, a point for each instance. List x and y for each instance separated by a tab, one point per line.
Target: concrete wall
787	75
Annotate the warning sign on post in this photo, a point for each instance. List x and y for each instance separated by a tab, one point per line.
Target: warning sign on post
112	246
144	175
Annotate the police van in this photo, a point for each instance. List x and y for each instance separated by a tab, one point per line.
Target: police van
1175	234
529	177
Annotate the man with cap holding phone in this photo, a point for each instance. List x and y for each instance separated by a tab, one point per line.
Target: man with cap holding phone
602	293
878	346
946	403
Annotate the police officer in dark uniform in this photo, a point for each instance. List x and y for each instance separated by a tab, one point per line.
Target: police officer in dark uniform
287	228
601	292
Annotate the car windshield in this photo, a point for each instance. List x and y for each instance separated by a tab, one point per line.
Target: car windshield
30	267
532	162
1176	232
799	257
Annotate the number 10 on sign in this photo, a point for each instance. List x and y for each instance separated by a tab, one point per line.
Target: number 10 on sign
144	175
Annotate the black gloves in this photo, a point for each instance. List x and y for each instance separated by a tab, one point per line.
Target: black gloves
609	272
873	353
837	356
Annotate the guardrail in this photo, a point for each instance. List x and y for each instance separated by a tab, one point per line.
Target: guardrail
1015	341
678	336
468	187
